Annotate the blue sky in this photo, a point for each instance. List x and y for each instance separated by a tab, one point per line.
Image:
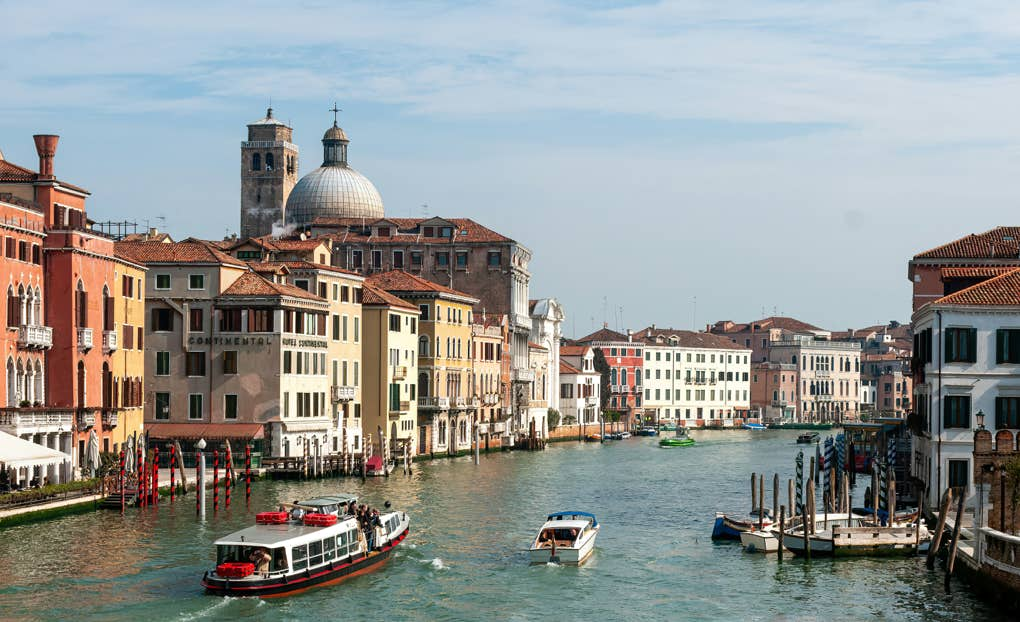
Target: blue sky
753	155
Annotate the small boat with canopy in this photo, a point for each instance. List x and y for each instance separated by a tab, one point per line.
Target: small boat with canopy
566	538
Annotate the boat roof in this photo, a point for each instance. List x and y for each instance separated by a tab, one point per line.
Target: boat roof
273	535
330	500
565	524
559	516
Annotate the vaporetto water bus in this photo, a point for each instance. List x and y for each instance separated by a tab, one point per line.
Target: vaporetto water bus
281	555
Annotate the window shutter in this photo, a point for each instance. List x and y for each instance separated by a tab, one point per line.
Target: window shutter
155	319
950	346
1001	346
1000	415
971	345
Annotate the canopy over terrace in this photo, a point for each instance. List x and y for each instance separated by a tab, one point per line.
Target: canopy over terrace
238	434
17	453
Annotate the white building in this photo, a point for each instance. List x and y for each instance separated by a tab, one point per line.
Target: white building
693	378
580	386
829	375
546	330
966	364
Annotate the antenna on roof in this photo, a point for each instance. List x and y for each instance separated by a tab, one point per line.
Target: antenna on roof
424	210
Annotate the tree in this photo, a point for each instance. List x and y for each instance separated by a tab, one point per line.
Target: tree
602	367
552	417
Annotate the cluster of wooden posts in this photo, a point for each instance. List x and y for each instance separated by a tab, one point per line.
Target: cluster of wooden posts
936	543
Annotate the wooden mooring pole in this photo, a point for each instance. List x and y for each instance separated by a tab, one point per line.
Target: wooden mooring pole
754	491
956	541
936	542
782	526
775	496
761	502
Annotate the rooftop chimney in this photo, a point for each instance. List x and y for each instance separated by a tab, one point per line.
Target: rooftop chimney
46	147
630	336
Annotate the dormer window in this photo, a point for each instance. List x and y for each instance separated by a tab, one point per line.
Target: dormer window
430	232
445	232
383	232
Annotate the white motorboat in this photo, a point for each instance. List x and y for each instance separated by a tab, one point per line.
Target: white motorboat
566	538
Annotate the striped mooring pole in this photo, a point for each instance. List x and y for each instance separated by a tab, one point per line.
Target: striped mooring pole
247	474
122	480
173	478
828	467
155	475
216	480
800	483
883	478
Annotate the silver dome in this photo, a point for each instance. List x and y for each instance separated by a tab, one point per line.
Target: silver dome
333	191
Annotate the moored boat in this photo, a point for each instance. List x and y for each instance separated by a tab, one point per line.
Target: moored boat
845	535
808	437
667	427
279	555
566	538
624	435
753	426
593	438
647	431
729	528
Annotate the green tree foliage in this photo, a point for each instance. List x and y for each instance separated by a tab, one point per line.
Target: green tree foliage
602	367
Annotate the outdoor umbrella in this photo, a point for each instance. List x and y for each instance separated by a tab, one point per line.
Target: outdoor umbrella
93	452
129	455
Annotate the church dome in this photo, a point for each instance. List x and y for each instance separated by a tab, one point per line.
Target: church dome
334	190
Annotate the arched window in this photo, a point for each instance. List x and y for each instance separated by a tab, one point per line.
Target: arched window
29	391
20	384
794	359
423	385
13	307
22	305
423	345
107	309
12	383
623	376
269	161
82	305
256	162
37	302
30	317
612	376
81	384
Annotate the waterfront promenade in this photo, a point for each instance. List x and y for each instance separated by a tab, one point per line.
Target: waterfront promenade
466	556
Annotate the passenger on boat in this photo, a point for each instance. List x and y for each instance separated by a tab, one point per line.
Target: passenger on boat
261	558
573	535
297	513
377	529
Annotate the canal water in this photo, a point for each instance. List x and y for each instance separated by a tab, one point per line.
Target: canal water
466	557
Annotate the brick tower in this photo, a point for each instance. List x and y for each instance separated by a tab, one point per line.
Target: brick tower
269	166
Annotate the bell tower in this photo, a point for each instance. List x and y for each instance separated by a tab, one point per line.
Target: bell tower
269	167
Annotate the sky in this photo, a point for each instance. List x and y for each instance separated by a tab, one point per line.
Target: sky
675	163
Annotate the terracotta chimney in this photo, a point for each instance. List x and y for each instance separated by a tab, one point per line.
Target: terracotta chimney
46	147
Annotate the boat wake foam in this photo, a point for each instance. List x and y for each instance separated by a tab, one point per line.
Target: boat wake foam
205	613
436	563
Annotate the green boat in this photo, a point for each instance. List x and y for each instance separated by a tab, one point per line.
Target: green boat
800	426
682	439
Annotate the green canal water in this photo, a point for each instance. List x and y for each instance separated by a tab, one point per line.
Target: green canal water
466	558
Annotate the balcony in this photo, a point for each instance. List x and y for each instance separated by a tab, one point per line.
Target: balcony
86	419
339	394
822	373
591	400
110	340
491	399
506	411
433	403
636	389
18	421
85	339
460	402
524	375
499	427
402	408
30	336
823	398
399	372
110	419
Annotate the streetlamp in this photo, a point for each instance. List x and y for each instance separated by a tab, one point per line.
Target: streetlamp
980	417
200	465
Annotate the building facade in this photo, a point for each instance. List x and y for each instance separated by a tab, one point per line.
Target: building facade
774	393
73	308
966	357
447	406
391	363
580	387
695	379
760	334
626	361
828	376
963	263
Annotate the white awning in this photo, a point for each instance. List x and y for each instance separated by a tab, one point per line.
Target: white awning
16	453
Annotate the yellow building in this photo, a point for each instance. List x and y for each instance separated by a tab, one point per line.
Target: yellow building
486	379
124	339
390	362
342	289
447	405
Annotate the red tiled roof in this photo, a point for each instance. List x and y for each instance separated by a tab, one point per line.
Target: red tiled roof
268	267
309	265
175	252
371	295
603	334
997	243
12	172
208	431
145	237
251	284
687	339
410	228
975	272
400	281
1003	290
574	350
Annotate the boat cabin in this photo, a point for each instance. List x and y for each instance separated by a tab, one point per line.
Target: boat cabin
290	547
564	529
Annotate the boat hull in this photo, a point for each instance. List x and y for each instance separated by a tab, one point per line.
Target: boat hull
566	556
759	541
332	574
726	528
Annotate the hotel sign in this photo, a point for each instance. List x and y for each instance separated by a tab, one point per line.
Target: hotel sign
304	343
231	341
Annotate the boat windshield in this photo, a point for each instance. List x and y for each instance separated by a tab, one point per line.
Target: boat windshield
238	553
563	537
